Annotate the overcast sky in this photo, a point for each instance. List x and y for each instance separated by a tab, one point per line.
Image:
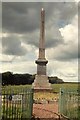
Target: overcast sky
21	33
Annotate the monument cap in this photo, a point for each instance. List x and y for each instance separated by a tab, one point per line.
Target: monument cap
42	9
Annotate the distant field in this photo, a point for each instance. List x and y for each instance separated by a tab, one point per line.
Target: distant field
67	86
55	87
56	90
15	88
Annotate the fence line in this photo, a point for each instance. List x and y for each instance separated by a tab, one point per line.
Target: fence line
69	104
17	105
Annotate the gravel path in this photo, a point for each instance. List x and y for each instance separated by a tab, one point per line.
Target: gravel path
46	110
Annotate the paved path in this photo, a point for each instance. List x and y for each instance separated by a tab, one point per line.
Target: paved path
46	110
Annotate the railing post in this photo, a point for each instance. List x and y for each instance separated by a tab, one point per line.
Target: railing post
31	101
68	104
61	101
17	106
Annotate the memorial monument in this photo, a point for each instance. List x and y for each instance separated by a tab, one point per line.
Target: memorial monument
41	79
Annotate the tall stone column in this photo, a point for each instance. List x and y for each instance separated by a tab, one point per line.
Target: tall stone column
41	80
42	36
41	62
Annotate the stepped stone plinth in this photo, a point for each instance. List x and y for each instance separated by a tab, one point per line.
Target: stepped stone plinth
41	82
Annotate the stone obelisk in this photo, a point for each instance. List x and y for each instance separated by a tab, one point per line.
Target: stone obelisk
41	79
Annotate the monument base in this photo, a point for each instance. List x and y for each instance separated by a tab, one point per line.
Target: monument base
41	83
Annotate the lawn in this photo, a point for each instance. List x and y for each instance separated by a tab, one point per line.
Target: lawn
16	100
41	95
48	95
55	87
15	88
67	86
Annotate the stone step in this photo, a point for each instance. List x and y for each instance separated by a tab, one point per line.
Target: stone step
39	85
41	81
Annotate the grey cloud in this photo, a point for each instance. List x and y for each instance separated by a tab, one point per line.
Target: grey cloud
18	18
49	42
32	39
67	12
53	42
12	46
53	37
67	55
79	49
24	17
79	31
21	17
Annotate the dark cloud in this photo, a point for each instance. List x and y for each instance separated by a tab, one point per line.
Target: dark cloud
11	45
79	30
53	37
49	42
67	12
17	18
0	17
22	17
31	39
67	55
79	48
53	42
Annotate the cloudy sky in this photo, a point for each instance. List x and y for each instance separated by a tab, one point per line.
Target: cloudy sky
21	33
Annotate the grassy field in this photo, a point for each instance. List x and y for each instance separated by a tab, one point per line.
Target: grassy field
15	88
55	87
12	101
67	86
42	95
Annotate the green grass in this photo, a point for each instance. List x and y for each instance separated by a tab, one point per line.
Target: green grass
11	111
55	87
56	90
14	108
42	95
14	89
67	86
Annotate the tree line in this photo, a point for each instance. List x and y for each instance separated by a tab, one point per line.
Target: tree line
8	78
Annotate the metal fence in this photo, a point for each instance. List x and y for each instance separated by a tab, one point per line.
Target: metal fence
69	104
17	105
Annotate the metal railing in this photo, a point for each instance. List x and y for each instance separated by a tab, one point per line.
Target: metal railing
17	105
69	104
